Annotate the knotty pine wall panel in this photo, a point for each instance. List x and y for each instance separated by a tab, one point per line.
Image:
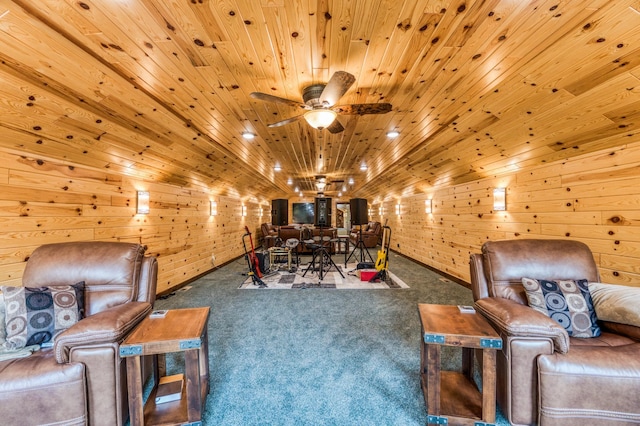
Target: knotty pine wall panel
593	198
43	201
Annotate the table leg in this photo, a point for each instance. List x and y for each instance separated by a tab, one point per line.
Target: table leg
134	385
433	379
204	358
489	385
192	373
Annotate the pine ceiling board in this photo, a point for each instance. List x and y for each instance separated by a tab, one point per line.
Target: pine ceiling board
277	24
230	18
259	38
299	16
622	64
600	38
364	19
481	86
186	31
23	43
400	45
342	16
385	22
81	84
473	15
440	96
64	14
417	46
320	32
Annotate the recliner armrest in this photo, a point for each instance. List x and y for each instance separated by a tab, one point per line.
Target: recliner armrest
514	319
108	326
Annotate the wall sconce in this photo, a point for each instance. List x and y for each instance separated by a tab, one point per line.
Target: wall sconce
243	212
214	209
260	212
398	209
428	206
143	202
500	199
380	210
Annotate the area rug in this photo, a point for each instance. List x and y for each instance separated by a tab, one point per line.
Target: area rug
284	279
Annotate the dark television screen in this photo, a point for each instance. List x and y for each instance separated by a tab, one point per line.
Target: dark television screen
302	212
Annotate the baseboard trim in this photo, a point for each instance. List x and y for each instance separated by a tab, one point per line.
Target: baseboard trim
436	270
197	277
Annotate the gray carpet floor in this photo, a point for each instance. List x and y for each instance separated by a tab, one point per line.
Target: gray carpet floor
316	356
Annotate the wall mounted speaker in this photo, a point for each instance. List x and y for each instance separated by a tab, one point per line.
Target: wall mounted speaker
323	212
279	212
359	211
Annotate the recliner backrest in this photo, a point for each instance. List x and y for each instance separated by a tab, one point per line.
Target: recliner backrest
506	262
113	272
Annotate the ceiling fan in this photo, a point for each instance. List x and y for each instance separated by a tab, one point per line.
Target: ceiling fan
319	101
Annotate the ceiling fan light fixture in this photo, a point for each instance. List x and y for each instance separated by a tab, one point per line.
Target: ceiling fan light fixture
320	118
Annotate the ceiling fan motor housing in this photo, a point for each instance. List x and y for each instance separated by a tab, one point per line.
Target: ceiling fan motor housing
311	95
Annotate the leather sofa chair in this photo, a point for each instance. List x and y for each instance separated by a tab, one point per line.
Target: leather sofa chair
269	234
82	379
544	376
370	234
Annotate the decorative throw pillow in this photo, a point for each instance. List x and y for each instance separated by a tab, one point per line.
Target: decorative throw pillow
568	302
36	315
616	303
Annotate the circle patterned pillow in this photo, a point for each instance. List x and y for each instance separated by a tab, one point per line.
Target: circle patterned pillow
35	315
568	302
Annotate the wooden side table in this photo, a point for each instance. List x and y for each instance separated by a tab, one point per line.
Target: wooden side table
452	397
181	330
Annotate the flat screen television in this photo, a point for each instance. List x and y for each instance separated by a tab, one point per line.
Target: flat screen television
303	212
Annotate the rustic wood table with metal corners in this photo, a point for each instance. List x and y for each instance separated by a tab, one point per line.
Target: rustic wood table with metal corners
180	330
452	397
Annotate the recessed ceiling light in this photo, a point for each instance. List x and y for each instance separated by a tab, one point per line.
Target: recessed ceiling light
289	181
248	135
363	167
350	181
277	168
393	134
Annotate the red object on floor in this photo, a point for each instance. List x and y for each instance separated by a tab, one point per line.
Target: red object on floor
367	274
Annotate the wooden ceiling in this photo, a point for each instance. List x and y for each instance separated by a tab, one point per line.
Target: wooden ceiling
159	89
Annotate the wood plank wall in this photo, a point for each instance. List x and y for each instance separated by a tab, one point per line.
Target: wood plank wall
594	198
44	201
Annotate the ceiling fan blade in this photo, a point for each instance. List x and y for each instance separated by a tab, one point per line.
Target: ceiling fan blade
270	98
287	121
335	127
336	87
362	109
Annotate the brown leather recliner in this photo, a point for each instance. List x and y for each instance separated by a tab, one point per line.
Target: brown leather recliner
370	234
269	234
82	379
544	376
